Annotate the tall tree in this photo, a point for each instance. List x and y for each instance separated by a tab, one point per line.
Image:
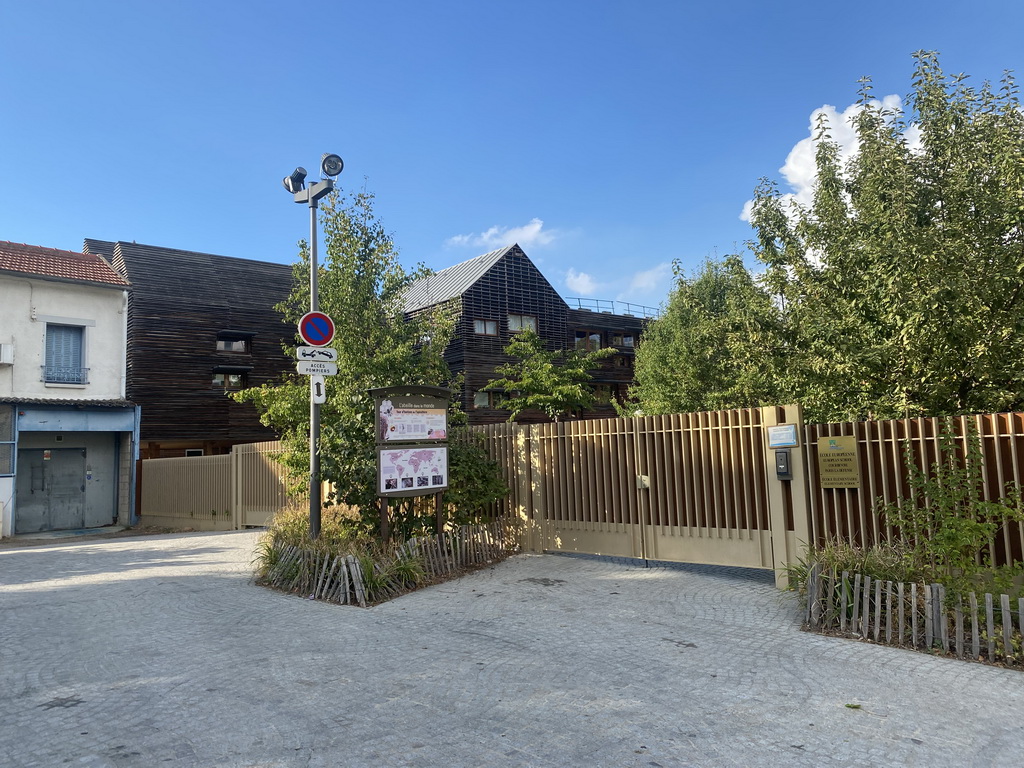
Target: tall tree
713	347
361	286
901	284
552	381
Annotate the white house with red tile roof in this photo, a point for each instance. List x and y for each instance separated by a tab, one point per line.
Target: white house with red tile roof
68	436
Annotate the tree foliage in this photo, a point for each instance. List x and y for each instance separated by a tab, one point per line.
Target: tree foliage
901	282
897	291
714	346
552	381
362	286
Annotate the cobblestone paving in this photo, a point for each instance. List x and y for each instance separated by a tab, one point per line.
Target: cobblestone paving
158	652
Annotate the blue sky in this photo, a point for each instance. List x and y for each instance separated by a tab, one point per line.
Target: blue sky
608	138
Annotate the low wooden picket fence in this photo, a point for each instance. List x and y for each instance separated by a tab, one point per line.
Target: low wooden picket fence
917	616
340	578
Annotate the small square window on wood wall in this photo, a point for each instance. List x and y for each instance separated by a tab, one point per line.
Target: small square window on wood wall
485	327
518	323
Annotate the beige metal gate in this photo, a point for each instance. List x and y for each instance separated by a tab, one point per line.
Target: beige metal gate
697	487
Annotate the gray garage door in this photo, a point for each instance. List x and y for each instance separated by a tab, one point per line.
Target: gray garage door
51	490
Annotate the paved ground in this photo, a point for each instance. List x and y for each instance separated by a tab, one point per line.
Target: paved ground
157	651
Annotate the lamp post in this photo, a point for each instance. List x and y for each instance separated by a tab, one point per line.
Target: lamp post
330	167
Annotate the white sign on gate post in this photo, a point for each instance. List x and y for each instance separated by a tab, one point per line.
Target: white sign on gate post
317	390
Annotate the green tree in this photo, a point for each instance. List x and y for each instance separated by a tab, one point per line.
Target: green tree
715	346
552	381
362	287
900	285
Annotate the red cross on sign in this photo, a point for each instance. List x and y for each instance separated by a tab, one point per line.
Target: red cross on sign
316	329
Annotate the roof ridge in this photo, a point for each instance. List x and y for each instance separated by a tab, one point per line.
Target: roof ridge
61	251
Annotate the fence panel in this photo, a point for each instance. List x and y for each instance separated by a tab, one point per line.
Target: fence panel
689	487
193	492
260	484
233	491
707	497
850	514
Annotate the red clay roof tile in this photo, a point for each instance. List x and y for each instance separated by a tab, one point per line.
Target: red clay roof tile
63	265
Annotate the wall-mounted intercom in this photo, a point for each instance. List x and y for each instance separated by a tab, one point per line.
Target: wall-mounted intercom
782	467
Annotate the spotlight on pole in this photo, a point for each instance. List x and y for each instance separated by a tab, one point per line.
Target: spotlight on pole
295	181
330	166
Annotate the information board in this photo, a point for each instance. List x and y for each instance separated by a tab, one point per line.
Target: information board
782	436
412	470
838	464
412	418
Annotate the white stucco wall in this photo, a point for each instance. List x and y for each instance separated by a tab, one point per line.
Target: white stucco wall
27	304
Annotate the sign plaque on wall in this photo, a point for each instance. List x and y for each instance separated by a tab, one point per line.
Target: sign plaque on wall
782	436
838	463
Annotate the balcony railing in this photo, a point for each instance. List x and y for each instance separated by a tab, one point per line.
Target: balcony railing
607	306
56	375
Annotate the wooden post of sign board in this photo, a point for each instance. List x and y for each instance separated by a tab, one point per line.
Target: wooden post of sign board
439	511
385	532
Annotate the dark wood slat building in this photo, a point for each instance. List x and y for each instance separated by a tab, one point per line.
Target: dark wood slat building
199	326
503	292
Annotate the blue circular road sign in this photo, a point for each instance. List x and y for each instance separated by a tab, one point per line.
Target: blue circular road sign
316	329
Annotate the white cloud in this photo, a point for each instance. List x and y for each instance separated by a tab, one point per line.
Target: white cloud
581	284
799	169
531	234
649	286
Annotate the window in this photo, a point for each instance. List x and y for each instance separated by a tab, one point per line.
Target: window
232	345
64	355
193	452
229	381
6	440
234	341
489	399
518	323
485	327
588	340
623	340
603	394
622	361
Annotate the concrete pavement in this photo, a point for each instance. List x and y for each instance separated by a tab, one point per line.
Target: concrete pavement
158	651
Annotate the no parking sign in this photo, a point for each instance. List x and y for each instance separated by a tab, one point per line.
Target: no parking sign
316	329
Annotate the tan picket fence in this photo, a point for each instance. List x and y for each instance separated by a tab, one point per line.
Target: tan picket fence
851	514
216	493
681	487
698	487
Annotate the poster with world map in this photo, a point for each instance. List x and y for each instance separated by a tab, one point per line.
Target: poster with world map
414	470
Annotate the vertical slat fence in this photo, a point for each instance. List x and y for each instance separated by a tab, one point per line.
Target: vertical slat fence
992	629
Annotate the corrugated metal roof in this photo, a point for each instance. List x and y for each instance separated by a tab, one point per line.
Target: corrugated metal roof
67	401
451	282
62	265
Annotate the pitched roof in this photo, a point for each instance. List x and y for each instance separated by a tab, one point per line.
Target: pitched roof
59	265
451	282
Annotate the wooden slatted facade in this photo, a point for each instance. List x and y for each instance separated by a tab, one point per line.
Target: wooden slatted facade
488	290
182	303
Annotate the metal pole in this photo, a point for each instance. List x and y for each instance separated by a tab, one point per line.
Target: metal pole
314	408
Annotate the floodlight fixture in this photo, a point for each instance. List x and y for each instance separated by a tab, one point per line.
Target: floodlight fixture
331	165
295	182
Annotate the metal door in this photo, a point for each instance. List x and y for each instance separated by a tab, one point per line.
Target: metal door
51	490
